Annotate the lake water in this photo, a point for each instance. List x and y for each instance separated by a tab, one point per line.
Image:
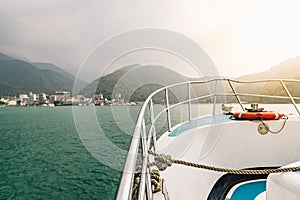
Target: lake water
43	157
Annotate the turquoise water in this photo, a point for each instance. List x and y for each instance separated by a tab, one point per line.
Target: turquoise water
249	191
42	156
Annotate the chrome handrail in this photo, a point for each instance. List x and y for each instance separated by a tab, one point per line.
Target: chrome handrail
141	137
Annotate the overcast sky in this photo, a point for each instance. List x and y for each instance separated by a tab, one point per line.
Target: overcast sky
239	36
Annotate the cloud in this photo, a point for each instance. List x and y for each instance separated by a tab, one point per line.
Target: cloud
64	32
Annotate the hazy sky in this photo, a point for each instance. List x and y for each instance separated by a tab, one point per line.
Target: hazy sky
239	36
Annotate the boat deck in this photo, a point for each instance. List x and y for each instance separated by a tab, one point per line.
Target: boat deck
214	140
220	141
200	122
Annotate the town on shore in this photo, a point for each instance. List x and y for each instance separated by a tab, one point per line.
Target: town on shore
61	98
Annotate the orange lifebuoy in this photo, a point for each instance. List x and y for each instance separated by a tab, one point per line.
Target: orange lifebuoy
266	115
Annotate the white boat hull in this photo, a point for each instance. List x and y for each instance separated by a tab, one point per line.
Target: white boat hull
234	144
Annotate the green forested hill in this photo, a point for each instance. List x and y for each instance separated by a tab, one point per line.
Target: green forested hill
158	76
134	83
18	76
52	67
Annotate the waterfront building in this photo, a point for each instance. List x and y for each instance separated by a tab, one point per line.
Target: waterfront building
62	96
12	103
42	98
24	99
52	98
33	98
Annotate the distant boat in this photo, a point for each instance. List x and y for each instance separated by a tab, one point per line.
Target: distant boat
245	154
51	105
2	104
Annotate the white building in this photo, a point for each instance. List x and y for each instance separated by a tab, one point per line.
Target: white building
12	103
32	98
42	98
62	96
23	96
25	100
53	98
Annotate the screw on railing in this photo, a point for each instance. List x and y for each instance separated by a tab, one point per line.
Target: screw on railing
168	109
290	96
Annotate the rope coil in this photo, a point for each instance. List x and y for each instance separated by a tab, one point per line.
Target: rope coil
156	183
163	161
166	161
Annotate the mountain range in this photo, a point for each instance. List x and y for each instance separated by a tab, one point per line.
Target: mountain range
131	83
289	69
19	76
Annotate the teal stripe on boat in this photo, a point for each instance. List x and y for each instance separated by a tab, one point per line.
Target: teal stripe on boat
199	122
249	191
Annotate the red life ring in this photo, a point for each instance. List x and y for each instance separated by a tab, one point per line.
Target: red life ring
267	115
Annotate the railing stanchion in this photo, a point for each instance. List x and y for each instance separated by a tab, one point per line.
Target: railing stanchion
168	110
152	131
189	101
290	96
126	183
144	173
215	98
149	187
236	95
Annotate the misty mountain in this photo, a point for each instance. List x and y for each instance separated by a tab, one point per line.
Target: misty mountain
5	57
288	69
133	83
136	82
18	76
52	67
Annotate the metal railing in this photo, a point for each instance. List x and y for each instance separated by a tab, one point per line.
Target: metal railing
144	138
